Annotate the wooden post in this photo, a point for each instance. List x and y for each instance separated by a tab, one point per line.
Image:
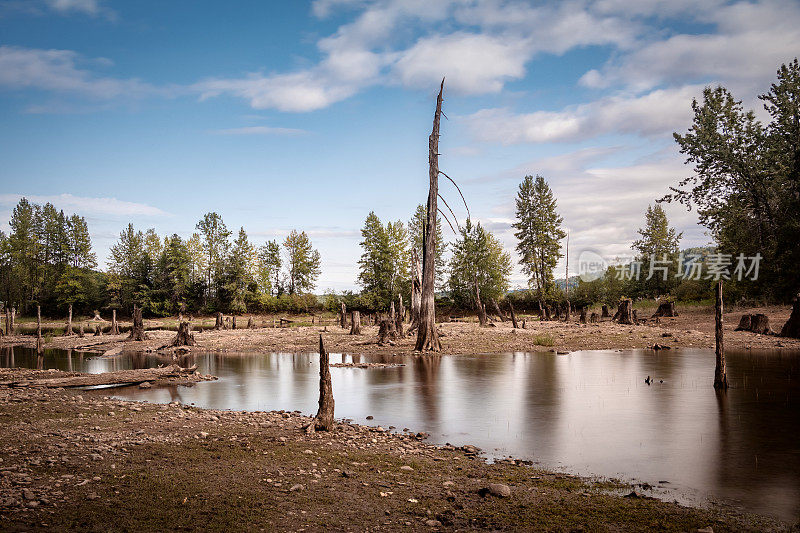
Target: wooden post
355	323
68	331
39	345
323	421
427	336
720	372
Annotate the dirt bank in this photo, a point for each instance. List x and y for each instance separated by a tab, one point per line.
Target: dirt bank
73	460
694	327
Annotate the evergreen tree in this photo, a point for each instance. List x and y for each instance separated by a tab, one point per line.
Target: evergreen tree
478	259
538	232
303	262
660	242
270	268
384	260
239	273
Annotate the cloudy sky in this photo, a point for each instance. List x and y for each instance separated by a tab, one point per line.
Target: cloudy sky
282	115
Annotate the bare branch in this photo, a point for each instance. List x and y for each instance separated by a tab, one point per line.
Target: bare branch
455	218
459	192
447	220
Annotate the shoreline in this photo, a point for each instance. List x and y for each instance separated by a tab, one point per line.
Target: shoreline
78	460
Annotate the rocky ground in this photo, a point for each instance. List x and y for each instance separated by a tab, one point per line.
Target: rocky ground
75	460
694	327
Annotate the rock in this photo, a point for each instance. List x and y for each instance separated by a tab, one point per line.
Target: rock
500	490
145	385
203	434
92	496
448	484
433	523
406	468
296	488
370	417
28	495
470	449
708	529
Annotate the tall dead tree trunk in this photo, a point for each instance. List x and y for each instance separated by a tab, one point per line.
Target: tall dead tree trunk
513	316
68	331
323	421
720	372
218	324
792	326
416	290
114	324
343	316
39	343
427	336
355	323
479	305
392	322
137	329
398	319
498	310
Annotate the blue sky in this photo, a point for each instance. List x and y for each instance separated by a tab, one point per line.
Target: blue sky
308	115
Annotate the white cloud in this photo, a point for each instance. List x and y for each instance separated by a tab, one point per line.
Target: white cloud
88	205
654	113
88	7
57	70
260	130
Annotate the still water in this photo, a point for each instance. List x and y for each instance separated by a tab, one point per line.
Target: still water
587	412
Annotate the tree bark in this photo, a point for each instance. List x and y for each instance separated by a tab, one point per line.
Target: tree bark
137	329
355	323
416	290
624	314
513	315
323	421
114	324
184	336
720	372
479	305
427	336
566	313
68	331
792	326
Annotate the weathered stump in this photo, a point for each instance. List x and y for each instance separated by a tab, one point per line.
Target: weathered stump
745	323
604	311
323	421
355	323
98	331
759	323
343	316
81	333
68	330
665	309
227	323
251	323
39	343
582	318
386	333
594	318
114	324
624	314
792	326
184	336
233	322
137	329
218	324
720	372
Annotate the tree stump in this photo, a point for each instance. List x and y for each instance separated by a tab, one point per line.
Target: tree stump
513	315
594	318
386	333
251	323
39	343
720	372
582	318
398	320
567	310
624	314
355	323
605	313
792	326
218	324
745	323
343	316
137	329
114	324
323	421
184	336
233	322
227	323
98	331
80	331
523	323
759	323
68	330
665	309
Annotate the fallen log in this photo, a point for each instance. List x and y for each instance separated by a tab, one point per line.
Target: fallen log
121	377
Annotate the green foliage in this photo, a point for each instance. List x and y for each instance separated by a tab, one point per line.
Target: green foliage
544	340
538	234
302	261
478	260
659	242
416	227
384	263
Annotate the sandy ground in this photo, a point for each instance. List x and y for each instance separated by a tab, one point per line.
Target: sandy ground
76	460
694	327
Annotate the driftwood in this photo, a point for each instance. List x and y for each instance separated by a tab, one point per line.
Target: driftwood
355	323
121	377
323	421
624	314
720	372
792	326
665	309
137	329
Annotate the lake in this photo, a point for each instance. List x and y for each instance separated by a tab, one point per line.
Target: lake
586	412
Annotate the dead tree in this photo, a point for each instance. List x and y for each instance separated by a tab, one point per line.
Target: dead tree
137	329
226	324
583	315
184	336
605	313
665	309
355	323
498	310
720	372
566	312
114	324
624	314
416	290
218	324
401	309
387	332
398	318
39	343
513	315
427	335
343	316
792	326
479	305
323	421
68	331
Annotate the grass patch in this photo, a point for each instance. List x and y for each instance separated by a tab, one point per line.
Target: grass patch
544	340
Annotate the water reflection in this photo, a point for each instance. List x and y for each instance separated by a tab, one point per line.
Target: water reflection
587	412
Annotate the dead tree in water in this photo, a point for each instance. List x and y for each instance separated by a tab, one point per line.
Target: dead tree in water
39	344
68	331
416	290
137	329
427	335
720	372
218	324
114	325
323	421
792	326
513	316
624	314
355	323
184	336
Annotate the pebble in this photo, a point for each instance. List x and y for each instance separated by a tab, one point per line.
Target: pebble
406	468
433	523
500	490
296	488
